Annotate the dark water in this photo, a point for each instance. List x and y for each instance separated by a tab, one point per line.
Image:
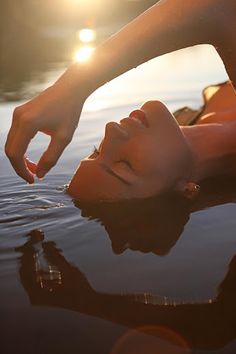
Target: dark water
72	285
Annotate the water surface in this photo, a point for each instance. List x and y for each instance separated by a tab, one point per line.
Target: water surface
37	221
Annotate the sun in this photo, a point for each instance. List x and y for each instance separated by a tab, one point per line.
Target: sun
87	35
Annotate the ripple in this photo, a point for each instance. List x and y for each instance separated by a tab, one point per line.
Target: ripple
26	207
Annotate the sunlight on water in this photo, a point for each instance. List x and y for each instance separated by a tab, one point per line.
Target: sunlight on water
83	54
86	35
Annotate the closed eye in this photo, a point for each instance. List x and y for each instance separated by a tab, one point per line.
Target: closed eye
96	152
127	163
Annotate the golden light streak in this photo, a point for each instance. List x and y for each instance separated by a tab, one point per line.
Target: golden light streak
83	54
87	35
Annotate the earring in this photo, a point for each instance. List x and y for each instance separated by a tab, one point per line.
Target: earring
191	190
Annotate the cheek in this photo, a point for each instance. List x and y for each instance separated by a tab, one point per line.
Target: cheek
154	160
144	155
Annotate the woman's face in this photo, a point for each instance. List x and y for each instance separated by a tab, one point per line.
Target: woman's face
143	155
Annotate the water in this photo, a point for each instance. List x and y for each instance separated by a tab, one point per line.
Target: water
59	270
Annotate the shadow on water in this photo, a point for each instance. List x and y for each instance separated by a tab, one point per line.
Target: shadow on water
158	323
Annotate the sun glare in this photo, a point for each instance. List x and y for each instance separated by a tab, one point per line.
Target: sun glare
87	35
83	54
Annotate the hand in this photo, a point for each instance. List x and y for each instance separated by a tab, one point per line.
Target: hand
55	112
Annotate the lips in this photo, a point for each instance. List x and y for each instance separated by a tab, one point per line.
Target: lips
140	116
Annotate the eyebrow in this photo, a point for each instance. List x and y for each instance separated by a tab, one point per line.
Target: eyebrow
112	173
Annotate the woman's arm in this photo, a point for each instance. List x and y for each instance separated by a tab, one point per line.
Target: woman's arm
167	26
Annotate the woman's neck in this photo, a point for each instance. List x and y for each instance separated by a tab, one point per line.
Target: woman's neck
214	149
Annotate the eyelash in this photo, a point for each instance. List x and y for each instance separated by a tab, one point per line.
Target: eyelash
97	152
127	163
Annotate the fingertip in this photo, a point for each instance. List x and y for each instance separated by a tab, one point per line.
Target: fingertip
30	179
42	168
41	173
25	175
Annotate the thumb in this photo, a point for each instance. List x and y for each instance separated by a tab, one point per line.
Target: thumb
30	164
50	157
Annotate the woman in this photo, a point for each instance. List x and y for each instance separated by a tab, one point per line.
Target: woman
167	26
149	154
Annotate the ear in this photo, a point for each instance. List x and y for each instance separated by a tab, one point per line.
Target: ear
189	190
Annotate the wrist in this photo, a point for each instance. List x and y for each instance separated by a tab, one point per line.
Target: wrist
82	79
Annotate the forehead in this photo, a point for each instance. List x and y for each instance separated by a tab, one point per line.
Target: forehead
92	182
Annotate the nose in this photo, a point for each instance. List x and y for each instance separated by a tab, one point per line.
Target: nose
154	106
157	113
115	136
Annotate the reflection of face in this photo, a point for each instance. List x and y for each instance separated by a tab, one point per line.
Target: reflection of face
146	154
147	225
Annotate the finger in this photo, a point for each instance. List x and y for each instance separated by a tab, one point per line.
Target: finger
32	166
17	142
27	270
51	155
70	273
12	132
54	256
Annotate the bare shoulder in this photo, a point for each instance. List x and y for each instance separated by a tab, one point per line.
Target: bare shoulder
223	117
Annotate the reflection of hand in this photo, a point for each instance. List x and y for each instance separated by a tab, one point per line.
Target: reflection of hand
59	284
55	112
